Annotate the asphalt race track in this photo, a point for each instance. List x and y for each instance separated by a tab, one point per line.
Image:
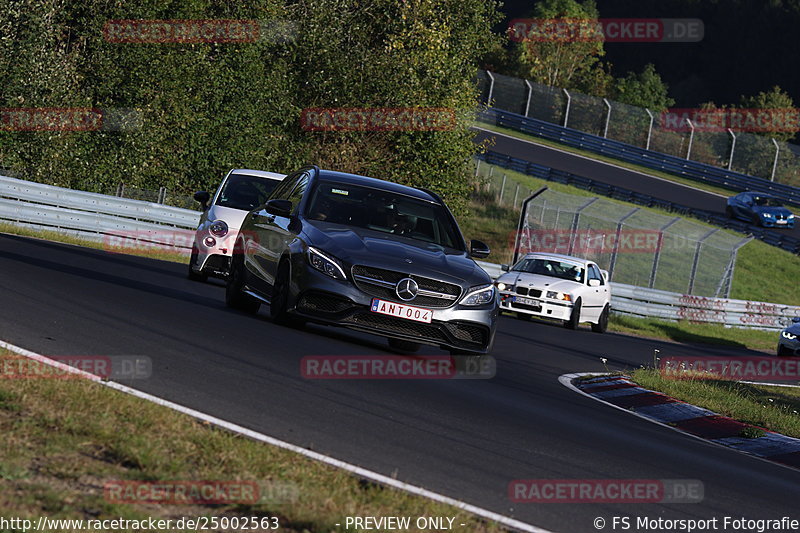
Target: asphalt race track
611	174
465	438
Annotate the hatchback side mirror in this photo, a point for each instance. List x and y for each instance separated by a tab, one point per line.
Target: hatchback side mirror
279	208
478	249
203	197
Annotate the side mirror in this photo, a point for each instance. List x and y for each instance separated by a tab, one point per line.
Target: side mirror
505	268
279	208
594	282
478	249
203	197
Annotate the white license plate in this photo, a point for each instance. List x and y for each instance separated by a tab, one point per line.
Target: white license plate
409	312
782	221
527	301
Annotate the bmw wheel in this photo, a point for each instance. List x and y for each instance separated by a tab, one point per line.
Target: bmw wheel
575	317
602	322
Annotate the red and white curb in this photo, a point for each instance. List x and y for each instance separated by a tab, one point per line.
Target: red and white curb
624	394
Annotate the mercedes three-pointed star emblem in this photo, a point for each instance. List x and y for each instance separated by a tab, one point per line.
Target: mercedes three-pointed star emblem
406	289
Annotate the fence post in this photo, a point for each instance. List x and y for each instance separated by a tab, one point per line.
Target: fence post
775	163
650	129
491	89
691	139
477	168
696	260
530	93
502	190
608	118
566	113
162	195
523	215
657	257
516	193
620	223
575	220
733	148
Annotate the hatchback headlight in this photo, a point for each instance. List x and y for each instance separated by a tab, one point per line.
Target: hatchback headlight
327	264
218	228
479	295
559	296
787	335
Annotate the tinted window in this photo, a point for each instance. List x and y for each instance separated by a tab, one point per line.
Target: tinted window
594	273
286	186
766	202
384	211
245	192
551	267
298	191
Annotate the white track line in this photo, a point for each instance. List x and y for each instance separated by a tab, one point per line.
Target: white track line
515	525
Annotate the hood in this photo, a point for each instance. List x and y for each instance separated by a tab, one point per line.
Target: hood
538	281
761	209
794	328
394	252
232	217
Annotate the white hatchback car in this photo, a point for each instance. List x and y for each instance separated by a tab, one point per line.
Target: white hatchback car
240	192
557	286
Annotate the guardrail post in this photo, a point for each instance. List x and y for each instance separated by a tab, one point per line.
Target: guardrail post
566	113
491	88
530	93
620	223
575	221
608	118
650	129
502	190
691	139
775	163
696	259
657	257
733	148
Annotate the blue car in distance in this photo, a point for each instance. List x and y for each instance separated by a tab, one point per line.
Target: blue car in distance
789	341
760	209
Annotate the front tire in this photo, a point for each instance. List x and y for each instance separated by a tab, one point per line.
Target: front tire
783	351
234	297
602	322
192	275
575	317
279	302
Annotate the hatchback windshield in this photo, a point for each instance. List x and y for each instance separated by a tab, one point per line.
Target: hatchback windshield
384	211
245	192
550	267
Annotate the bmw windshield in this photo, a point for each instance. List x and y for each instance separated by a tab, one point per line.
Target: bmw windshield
385	212
550	267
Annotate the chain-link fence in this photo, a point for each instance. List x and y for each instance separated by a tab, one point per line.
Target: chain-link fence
636	245
749	153
161	196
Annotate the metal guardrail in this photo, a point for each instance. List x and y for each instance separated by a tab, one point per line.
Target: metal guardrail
95	216
118	219
671	306
694	170
785	242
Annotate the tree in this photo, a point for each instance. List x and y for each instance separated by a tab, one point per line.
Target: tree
645	89
784	116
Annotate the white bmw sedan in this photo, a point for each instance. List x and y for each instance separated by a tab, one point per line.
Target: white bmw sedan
555	286
240	192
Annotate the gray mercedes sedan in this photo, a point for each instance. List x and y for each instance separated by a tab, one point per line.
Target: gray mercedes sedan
365	254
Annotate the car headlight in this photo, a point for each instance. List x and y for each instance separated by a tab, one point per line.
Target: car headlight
218	228
327	264
559	296
791	216
767	215
504	287
787	335
479	295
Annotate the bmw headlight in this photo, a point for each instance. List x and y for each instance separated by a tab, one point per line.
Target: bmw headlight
504	286
481	295
791	216
218	228
559	296
787	335
767	215
327	264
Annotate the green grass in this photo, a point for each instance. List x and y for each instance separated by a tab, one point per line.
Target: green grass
624	164
771	408
63	439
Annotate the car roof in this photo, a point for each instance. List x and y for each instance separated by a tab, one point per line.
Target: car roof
355	179
259	173
558	256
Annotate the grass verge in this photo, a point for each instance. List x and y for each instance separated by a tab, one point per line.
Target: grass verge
771	408
64	439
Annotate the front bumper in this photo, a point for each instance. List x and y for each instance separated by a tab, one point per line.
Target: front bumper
214	260
319	298
544	308
773	223
789	347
